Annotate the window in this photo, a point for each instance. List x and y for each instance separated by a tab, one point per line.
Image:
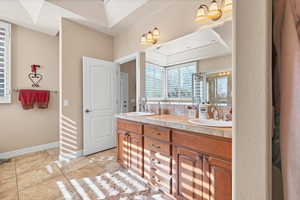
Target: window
5	96
179	81
154	81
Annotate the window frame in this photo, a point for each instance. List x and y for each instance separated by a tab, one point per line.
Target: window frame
162	83
195	63
7	65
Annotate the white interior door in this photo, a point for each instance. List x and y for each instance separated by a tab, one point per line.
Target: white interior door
124	92
99	104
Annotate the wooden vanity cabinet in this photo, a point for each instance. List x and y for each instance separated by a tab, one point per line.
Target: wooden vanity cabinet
218	176
185	165
130	146
187	174
201	167
200	177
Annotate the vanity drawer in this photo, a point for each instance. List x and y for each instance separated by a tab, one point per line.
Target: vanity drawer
161	180
161	163
157	146
130	126
217	146
157	132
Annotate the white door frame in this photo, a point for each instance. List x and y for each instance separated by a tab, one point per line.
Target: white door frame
140	58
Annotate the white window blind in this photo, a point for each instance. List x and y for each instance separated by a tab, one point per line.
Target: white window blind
153	80
179	81
5	96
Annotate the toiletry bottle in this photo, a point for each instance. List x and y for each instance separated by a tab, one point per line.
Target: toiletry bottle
203	109
216	114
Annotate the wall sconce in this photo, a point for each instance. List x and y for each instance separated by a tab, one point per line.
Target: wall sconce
151	37
224	73
214	11
227	7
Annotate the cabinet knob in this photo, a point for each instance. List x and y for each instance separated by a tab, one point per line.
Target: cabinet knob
155	161
156	179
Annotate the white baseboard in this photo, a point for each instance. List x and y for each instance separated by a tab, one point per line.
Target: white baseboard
28	150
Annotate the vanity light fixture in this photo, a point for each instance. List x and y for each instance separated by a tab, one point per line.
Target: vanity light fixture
224	73
227	6
202	14
156	33
151	37
214	11
144	40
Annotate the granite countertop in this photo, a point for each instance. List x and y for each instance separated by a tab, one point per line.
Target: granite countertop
178	122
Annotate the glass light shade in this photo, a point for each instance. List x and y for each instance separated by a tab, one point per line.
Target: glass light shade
149	37
227	6
201	14
156	33
214	11
144	40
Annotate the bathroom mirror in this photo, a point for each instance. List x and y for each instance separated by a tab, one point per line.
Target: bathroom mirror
212	88
170	67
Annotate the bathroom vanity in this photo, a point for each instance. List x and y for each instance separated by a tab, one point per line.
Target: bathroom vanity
183	160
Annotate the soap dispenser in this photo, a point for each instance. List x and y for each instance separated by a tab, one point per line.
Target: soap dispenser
203	111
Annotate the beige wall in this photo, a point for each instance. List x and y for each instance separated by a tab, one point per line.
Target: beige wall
130	68
172	25
222	63
26	128
77	41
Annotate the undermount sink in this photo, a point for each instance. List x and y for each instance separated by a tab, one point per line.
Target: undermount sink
212	123
139	113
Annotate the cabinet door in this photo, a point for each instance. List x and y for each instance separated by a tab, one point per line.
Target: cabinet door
123	148
217	173
188	174
135	153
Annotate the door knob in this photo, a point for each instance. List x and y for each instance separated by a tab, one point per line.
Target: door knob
87	111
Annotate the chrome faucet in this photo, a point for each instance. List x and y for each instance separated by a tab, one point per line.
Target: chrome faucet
143	104
159	108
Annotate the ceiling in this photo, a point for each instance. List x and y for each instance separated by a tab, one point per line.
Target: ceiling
108	16
45	15
205	43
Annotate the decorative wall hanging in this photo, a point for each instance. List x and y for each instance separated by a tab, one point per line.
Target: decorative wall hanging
35	77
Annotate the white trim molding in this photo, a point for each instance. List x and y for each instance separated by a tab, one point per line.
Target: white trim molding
126	59
23	151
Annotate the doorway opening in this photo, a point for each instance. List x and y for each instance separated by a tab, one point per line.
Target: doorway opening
128	87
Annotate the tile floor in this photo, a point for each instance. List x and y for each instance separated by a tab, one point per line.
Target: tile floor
40	176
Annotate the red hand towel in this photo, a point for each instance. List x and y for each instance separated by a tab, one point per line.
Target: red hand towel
27	98
42	98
